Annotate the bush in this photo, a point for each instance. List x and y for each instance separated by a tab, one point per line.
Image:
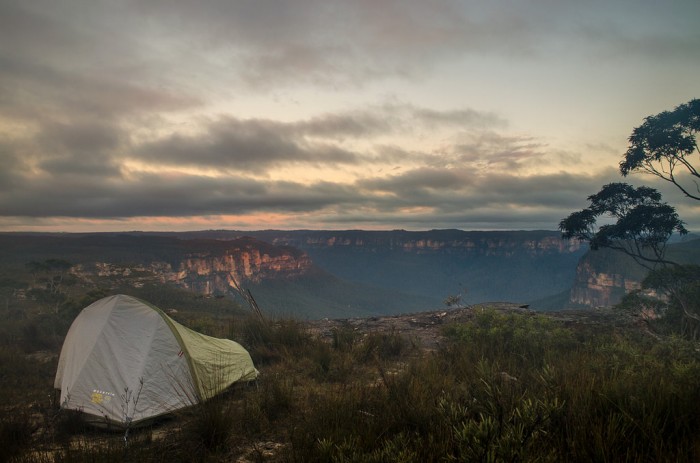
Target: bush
514	387
381	346
15	434
211	425
269	341
519	337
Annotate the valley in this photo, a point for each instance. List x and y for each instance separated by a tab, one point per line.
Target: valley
310	274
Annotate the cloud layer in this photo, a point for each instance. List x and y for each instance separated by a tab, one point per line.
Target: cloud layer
309	113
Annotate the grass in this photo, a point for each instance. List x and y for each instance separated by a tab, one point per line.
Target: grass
503	387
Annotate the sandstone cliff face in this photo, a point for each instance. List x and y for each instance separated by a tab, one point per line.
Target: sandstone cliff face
594	288
484	244
207	271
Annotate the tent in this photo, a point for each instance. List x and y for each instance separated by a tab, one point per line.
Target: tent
125	361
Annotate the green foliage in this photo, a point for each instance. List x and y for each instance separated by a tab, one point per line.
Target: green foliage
664	144
268	341
344	338
519	336
212	425
272	399
642	222
381	346
668	301
679	288
452	300
596	398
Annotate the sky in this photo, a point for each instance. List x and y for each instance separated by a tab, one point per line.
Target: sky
162	115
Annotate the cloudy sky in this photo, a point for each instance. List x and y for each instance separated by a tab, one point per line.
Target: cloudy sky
332	114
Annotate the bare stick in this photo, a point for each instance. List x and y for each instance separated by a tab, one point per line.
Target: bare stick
246	295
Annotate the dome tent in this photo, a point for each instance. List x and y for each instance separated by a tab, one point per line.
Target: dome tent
125	361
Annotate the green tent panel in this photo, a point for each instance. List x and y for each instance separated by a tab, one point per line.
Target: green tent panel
125	361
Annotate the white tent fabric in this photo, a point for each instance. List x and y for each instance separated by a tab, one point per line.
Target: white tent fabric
124	361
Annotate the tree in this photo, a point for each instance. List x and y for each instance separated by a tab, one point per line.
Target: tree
452	300
664	146
680	288
9	288
643	223
51	276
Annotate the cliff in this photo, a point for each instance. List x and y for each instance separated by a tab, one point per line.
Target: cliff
489	243
476	265
595	288
604	276
203	266
246	260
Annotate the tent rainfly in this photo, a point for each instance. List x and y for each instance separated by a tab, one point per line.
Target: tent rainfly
125	361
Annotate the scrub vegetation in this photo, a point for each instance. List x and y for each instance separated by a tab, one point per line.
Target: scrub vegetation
500	386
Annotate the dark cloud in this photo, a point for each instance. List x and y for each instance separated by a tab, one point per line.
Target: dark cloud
81	148
259	144
32	33
349	43
451	190
406	185
92	91
397	117
664	34
12	167
318	41
444	192
169	195
254	145
90	136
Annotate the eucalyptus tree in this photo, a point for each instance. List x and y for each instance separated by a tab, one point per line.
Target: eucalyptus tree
638	223
666	146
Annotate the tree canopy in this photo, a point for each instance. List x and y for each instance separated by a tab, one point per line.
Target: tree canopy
642	225
665	146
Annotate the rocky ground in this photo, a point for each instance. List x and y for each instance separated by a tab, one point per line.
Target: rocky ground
425	328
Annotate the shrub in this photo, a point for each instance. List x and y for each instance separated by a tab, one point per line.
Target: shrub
344	338
211	425
521	337
15	434
268	341
381	346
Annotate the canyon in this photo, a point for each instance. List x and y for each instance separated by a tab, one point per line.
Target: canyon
346	273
